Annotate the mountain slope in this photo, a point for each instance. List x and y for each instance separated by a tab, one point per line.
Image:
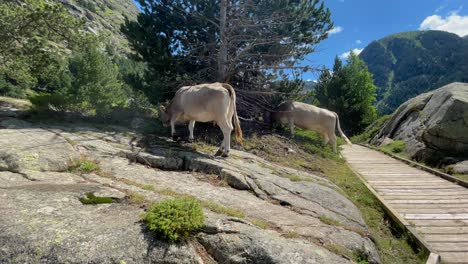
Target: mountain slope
104	16
409	63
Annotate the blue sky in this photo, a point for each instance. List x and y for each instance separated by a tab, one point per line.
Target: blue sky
359	22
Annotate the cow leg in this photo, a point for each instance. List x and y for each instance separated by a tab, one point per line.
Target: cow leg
173	132
226	144
227	138
333	141
291	127
222	146
191	126
325	139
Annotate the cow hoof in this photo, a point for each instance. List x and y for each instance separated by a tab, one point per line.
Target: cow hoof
225	155
219	153
174	138
190	140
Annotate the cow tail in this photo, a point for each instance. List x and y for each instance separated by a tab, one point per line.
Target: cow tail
237	127
341	131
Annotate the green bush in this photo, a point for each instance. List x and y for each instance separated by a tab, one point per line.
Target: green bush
45	101
395	147
371	130
174	219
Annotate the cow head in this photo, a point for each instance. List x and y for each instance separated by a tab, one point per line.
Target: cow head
164	116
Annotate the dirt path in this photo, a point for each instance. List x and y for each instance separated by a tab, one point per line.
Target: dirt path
432	207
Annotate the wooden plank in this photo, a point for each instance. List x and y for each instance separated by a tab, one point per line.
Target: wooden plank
454	257
428	206
422	188
451	223
446	238
433	258
424	197
408	182
444	201
425	192
442	229
395	178
418	185
450	246
460	216
437	210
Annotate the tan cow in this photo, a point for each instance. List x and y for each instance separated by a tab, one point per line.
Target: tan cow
205	103
309	117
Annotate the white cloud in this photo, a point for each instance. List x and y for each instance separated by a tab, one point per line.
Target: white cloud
358	41
335	30
346	54
452	23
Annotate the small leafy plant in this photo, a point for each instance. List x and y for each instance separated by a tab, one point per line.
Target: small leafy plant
85	165
174	219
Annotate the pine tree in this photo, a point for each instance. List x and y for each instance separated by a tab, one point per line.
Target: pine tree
350	92
224	40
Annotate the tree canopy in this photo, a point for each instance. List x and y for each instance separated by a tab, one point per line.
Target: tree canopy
34	36
239	41
349	91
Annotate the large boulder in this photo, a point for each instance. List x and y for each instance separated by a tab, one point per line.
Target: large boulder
433	125
256	211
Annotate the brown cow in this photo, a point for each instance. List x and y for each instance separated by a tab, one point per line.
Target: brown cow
309	117
205	103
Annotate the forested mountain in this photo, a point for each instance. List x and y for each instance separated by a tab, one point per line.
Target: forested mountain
104	16
409	63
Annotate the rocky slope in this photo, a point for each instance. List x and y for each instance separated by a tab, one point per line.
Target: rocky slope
255	213
433	125
407	64
104	16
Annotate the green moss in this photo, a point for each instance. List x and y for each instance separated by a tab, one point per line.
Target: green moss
174	219
92	199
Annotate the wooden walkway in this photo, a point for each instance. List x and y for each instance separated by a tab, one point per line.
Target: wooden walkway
433	208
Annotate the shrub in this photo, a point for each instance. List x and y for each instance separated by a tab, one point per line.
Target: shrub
45	101
371	130
395	147
174	219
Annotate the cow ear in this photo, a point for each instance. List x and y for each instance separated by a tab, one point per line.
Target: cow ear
162	108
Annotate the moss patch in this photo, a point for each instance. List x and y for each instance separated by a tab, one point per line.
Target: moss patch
92	199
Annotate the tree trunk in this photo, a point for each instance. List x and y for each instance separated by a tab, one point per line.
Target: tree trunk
222	56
